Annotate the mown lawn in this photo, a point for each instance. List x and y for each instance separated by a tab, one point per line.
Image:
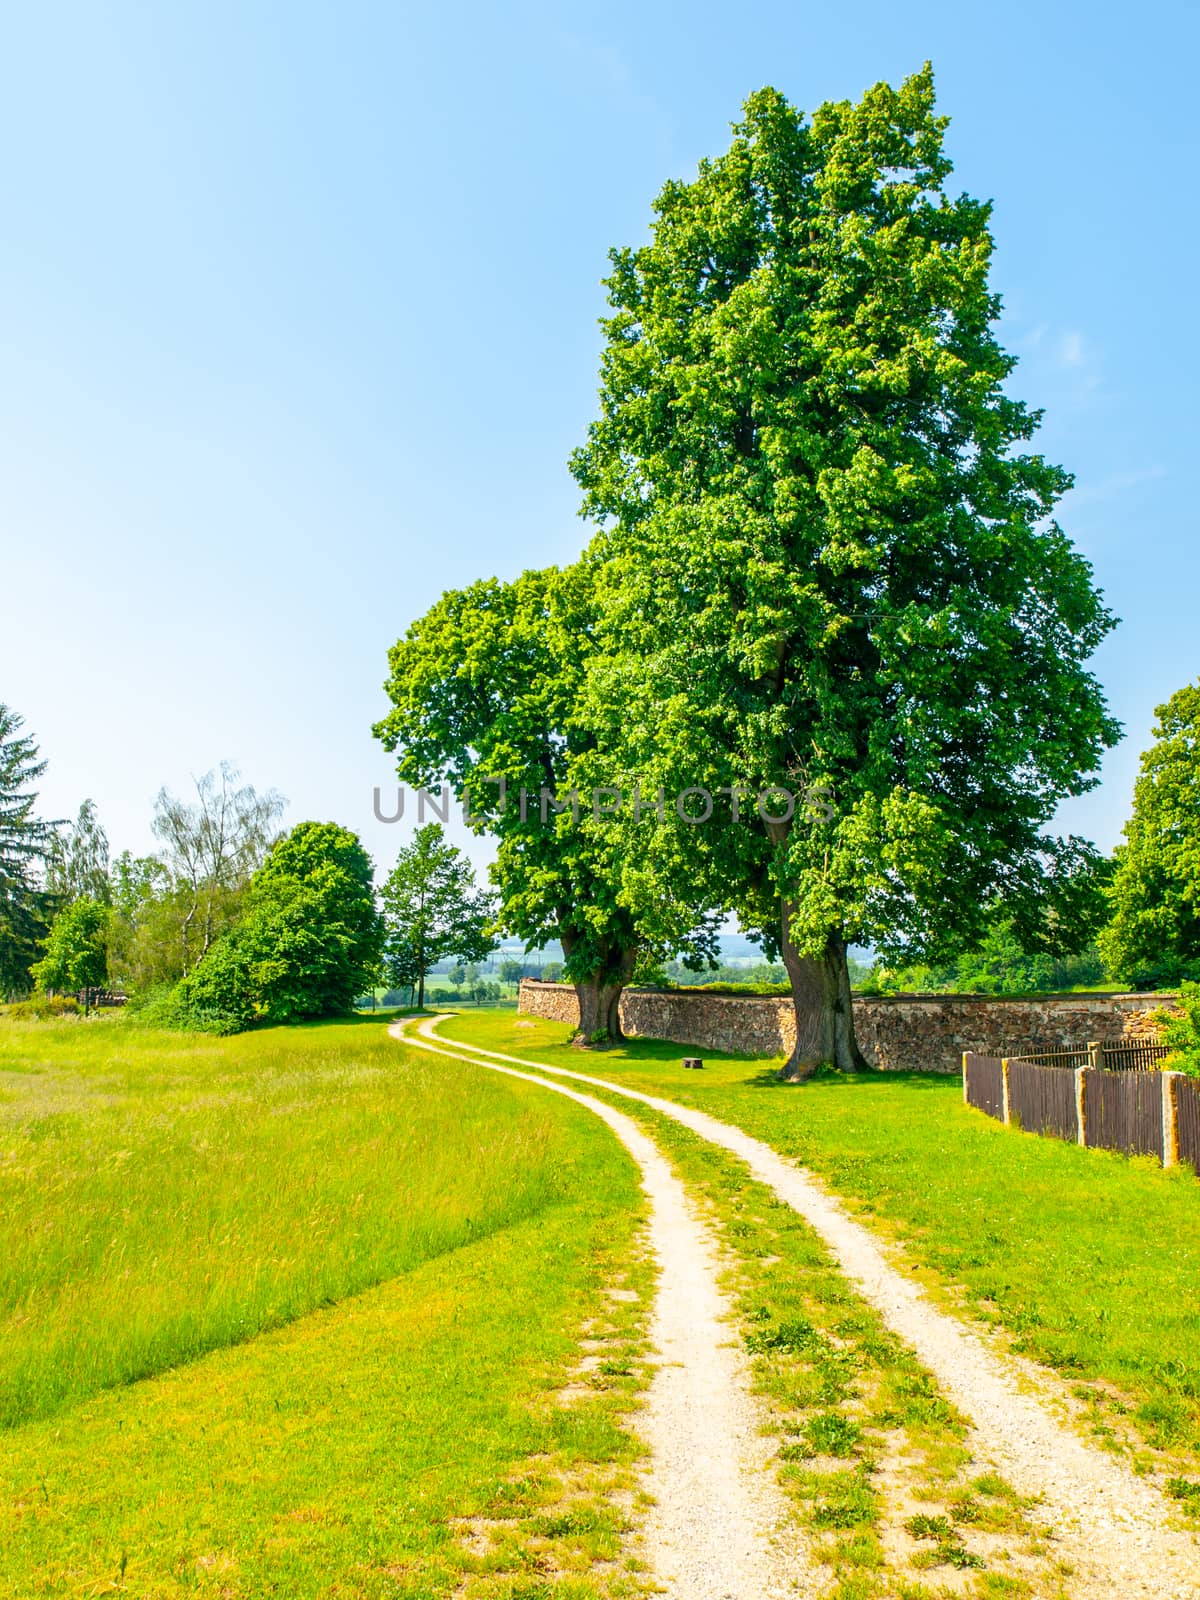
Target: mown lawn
350	1277
1090	1260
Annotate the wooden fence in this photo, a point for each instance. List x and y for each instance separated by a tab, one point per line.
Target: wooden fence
1133	1109
1187	1121
1042	1099
1120	1055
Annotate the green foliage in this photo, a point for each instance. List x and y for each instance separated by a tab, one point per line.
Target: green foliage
432	909
144	932
479	993
1182	1033
25	842
76	948
1154	935
43	1008
487	694
827	561
1000	965
217	996
211	847
313	933
77	866
308	943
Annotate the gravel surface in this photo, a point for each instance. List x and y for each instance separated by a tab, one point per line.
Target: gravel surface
719	1527
1110	1524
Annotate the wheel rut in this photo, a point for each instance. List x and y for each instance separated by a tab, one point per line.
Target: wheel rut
1112	1526
719	1525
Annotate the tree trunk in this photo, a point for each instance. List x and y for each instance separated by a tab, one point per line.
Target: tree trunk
599	994
599	1010
420	991
824	1008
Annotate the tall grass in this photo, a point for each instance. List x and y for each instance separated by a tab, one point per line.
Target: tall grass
340	1452
164	1195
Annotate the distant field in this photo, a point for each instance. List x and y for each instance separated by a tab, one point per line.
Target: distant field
1090	1260
423	1241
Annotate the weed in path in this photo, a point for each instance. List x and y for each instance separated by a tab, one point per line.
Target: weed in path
871	1454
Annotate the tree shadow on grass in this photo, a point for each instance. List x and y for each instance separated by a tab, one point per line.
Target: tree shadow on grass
850	1081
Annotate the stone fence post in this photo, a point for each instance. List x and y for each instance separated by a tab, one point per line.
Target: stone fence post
1170	1118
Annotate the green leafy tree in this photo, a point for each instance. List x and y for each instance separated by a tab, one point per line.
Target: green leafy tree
826	561
133	881
433	909
486	693
77	866
212	846
25	842
511	970
313	929
1154	934
310	939
76	949
142	940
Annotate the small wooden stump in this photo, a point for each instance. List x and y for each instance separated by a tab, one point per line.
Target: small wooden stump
693	1062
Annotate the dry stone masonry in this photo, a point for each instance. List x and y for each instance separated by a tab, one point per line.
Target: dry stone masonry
898	1033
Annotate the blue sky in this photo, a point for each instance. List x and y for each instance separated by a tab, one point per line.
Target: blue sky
298	326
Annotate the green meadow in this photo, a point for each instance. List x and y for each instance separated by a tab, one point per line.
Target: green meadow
291	1303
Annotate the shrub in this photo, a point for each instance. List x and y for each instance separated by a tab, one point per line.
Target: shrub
76	949
217	995
1183	1033
43	1008
307	945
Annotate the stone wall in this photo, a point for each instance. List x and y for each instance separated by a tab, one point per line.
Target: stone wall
898	1033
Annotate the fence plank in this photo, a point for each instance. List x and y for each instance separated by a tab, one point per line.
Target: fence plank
985	1084
1043	1099
1187	1111
1124	1112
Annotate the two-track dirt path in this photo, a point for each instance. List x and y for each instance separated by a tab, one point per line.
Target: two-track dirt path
719	1527
1110	1524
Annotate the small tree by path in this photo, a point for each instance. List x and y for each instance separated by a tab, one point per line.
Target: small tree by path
76	950
433	909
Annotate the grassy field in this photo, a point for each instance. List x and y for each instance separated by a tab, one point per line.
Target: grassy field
351	1279
1090	1261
